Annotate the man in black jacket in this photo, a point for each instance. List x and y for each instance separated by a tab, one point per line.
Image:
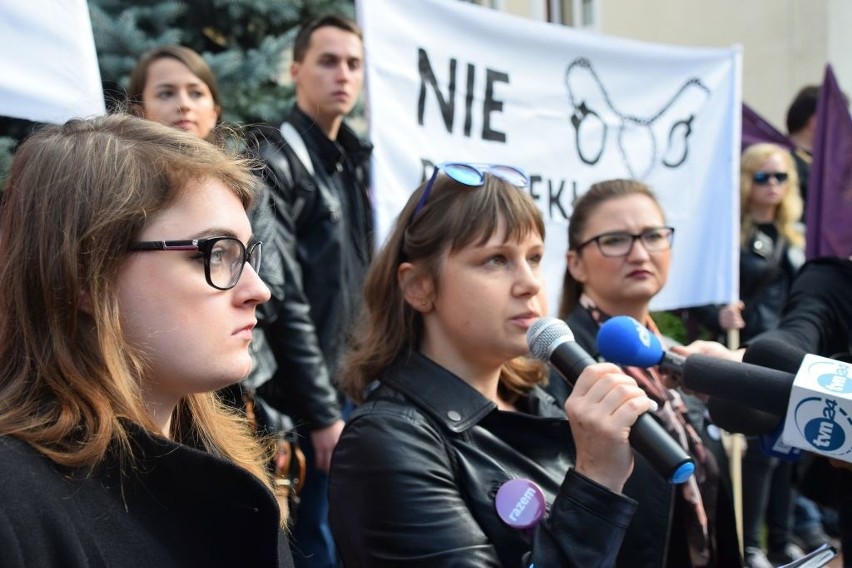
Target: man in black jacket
316	171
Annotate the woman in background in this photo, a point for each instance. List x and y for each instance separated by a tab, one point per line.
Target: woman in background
173	85
771	252
130	284
619	251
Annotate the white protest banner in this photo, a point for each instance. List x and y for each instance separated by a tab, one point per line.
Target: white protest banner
450	81
48	66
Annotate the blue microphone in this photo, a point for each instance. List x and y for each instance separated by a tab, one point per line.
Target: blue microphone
625	341
551	340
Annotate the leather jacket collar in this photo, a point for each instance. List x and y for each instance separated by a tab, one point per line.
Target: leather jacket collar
442	395
452	402
331	153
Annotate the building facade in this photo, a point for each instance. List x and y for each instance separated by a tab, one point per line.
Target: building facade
786	43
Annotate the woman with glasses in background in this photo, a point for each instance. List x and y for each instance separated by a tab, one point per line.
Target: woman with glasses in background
456	456
619	250
771	252
130	284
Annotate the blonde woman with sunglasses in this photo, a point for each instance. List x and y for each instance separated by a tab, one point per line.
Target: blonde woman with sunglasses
771	252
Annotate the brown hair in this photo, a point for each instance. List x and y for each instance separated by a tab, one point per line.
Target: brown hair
598	194
455	216
789	211
77	195
303	39
196	64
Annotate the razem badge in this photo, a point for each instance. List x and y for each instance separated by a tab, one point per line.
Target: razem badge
819	416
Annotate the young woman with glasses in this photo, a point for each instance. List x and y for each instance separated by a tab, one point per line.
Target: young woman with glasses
129	277
619	250
456	456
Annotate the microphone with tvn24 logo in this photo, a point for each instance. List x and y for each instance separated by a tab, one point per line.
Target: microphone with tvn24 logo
623	340
815	403
551	340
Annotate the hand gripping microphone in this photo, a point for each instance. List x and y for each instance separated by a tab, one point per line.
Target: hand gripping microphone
551	340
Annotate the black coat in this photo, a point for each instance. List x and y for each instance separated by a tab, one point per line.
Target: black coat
178	507
655	538
765	276
322	224
414	478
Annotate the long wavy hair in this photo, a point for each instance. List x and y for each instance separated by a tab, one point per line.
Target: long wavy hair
598	194
789	211
454	217
77	195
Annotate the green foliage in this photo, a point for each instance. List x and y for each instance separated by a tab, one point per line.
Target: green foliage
671	325
246	42
7	146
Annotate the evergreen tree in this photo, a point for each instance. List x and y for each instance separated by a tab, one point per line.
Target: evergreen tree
248	44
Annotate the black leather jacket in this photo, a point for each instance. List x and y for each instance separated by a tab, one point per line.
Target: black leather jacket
765	277
416	471
305	256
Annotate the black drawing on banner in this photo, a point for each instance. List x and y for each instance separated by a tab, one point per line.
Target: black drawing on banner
593	112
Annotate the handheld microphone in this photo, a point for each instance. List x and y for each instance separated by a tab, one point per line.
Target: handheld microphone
551	340
815	403
625	341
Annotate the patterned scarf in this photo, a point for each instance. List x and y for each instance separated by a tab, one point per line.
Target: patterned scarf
701	489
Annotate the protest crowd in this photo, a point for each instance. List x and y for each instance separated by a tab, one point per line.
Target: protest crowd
210	355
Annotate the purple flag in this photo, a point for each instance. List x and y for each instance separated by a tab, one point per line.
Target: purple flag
829	207
757	129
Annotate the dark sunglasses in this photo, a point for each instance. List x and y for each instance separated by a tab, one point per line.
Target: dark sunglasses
762	178
472	175
224	257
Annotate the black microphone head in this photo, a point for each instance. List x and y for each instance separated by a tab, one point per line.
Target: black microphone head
768	351
735	417
545	334
755	386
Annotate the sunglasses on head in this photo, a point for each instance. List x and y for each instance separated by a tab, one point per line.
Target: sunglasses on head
762	178
472	175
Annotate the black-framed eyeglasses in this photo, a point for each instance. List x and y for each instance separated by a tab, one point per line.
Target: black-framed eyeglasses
620	243
224	257
762	178
472	175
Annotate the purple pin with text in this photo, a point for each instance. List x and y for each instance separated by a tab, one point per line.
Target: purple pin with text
520	503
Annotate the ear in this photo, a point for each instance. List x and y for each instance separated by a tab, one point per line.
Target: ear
417	289
294	70
576	266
